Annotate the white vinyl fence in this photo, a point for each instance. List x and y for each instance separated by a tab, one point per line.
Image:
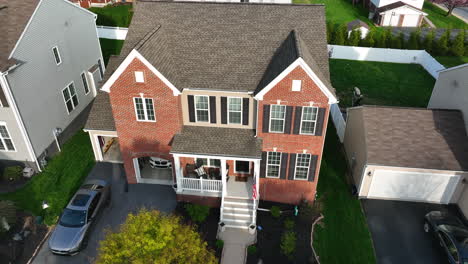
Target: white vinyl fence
112	32
421	57
338	121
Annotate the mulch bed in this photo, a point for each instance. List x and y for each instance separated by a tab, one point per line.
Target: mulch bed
19	252
269	237
11	186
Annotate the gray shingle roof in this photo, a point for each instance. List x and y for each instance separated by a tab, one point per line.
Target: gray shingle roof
233	142
357	24
101	117
414	137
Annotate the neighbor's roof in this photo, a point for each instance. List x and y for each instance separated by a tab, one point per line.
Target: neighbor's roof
232	142
395	5
414	137
357	24
14	16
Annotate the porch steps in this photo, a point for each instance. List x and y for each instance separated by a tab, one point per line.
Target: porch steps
237	212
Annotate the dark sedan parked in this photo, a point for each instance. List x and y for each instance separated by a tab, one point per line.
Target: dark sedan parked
451	233
77	217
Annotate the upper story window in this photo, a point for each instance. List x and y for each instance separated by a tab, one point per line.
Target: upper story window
309	120
139	77
58	59
85	83
302	167
273	164
235	110
296	85
70	97
277	116
6	144
144	109
202	112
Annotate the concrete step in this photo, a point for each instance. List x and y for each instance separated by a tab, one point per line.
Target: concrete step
237	210
228	203
236	216
237	223
238	199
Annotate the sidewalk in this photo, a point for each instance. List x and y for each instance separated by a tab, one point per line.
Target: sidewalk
236	242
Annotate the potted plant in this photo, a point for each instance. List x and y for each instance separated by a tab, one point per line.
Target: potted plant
252	228
222	225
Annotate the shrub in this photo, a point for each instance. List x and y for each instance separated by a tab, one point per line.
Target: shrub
413	42
384	39
275	211
428	43
340	35
288	243
7	214
12	173
458	46
289	224
330	31
397	41
306	211
252	250
354	37
369	41
442	44
219	244
198	213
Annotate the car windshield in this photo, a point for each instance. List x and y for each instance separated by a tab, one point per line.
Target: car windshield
460	234
73	218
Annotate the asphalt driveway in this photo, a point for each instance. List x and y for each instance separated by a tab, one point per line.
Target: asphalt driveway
150	196
398	235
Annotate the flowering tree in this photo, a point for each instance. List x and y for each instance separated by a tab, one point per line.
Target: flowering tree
451	4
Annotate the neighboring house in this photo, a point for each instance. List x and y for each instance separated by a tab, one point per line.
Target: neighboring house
407	13
408	154
95	3
358	25
450	91
48	71
247	100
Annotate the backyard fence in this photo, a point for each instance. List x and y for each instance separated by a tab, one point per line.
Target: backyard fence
112	32
338	121
431	65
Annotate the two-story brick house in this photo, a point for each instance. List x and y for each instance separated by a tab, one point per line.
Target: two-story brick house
228	103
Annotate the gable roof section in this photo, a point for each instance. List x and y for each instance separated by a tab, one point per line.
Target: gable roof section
396	5
414	137
357	23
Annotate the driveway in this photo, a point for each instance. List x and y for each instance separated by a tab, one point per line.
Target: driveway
150	196
398	235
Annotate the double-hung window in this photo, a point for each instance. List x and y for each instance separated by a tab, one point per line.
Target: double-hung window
58	59
70	97
202	111
273	164
85	83
235	110
277	115
144	109
302	166
309	120
101	69
6	144
209	162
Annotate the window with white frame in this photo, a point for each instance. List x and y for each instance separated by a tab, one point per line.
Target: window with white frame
209	162
202	112
6	144
273	164
58	59
296	85
139	77
235	110
309	120
85	83
101	69
144	109
70	97
302	167
277	115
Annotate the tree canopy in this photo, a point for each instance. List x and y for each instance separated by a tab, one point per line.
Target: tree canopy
451	4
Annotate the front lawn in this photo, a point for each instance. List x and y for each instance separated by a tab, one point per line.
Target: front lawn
110	47
437	16
381	83
451	61
113	16
58	182
344	236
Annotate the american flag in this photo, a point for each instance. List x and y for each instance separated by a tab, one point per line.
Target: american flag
254	191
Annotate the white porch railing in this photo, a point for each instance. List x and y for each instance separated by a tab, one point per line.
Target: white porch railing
202	185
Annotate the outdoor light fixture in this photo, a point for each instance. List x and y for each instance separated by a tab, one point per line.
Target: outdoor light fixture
45	205
56	132
369	173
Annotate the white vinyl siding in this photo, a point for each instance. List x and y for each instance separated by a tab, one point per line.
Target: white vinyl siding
235	110
144	109
302	167
70	97
58	59
85	83
309	120
202	112
277	115
6	144
273	164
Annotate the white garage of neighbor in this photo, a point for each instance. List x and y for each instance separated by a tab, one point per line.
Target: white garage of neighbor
407	154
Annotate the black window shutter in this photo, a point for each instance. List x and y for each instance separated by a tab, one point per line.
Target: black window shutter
191	108
266	118
312	167
284	164
263	164
213	109
288	120
320	119
223	110
3	99
245	111
297	120
292	166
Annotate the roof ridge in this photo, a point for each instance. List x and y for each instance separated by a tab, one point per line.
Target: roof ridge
225	3
146	37
295	36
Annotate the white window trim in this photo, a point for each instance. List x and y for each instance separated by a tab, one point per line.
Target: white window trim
11	139
308	167
71	97
279	165
242	108
302	120
195	107
242	172
271	118
87	83
145	110
296	85
208	163
58	53
139	74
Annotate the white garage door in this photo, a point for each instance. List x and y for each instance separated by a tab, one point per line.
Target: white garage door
411	21
411	186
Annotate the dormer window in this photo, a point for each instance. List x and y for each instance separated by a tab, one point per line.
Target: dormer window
202	111
139	77
296	85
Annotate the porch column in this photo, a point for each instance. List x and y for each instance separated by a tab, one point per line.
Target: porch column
257	176
178	173
223	175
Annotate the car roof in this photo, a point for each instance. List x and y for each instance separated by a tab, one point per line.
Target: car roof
81	199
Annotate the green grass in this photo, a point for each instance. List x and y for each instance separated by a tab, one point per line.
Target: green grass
437	16
113	16
451	61
344	236
381	83
59	181
110	47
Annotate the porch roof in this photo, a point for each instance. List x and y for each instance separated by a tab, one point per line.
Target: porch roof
227	142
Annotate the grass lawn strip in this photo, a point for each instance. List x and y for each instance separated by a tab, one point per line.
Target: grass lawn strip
113	16
110	47
451	61
437	16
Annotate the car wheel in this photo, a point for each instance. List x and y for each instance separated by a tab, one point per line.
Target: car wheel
427	228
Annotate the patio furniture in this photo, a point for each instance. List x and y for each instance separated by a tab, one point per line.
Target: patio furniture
214	174
190	171
201	172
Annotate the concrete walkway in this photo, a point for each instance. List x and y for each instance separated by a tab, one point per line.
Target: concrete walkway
236	241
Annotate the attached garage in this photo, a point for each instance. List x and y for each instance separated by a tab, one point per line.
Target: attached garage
407	154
